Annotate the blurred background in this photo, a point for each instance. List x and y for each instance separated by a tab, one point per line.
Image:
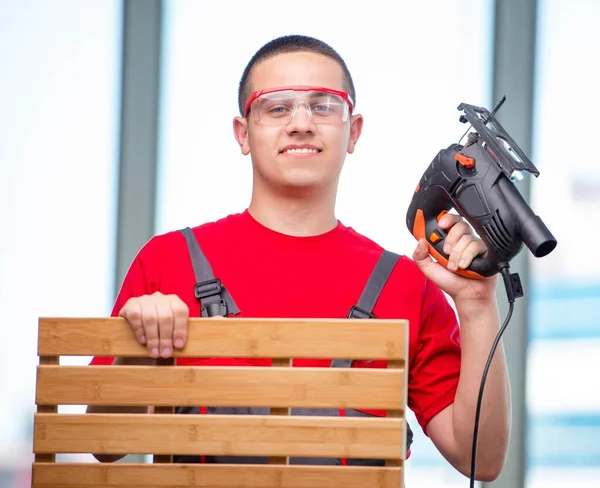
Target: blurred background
115	125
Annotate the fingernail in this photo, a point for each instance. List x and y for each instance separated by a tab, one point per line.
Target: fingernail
166	351
462	263
154	352
451	266
143	339
178	343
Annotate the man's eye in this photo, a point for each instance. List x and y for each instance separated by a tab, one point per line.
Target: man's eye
277	109
322	108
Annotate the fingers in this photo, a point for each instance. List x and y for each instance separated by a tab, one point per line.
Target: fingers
457	231
132	312
460	244
150	324
180	321
158	321
449	220
165	327
463	253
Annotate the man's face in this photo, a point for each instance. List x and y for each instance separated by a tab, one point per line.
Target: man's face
301	153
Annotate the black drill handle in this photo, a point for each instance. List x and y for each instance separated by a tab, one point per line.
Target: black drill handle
423	221
485	197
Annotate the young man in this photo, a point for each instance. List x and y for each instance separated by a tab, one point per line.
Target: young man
287	255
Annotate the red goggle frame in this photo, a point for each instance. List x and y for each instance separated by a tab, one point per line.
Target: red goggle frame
321	89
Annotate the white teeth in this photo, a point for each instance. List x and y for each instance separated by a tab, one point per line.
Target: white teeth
301	150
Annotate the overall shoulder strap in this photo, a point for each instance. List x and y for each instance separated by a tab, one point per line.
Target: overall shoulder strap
214	297
379	276
364	308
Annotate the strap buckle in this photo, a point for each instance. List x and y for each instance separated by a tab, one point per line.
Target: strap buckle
358	313
208	288
217	308
210	293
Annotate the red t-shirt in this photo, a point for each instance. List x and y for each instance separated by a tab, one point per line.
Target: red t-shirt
269	274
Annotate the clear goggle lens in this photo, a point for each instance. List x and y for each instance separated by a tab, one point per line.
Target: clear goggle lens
280	107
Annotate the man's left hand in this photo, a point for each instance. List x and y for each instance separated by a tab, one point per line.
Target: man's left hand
462	247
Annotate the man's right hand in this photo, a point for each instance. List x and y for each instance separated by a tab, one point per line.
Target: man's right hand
158	321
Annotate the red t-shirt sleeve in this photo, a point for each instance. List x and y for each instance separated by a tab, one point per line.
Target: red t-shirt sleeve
435	367
138	281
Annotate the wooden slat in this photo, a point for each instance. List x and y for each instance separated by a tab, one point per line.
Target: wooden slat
252	435
276	387
243	337
161	363
71	475
278	364
49	407
398	412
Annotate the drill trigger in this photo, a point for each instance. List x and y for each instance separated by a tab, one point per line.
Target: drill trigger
434	237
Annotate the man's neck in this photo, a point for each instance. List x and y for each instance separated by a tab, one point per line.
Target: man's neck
308	215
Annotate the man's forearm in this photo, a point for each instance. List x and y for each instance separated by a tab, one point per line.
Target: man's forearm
479	328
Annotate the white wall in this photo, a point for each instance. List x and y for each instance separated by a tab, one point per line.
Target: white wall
59	99
563	397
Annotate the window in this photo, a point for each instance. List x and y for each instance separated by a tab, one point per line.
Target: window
59	93
410	79
563	398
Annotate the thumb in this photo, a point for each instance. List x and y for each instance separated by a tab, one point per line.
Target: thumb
421	254
430	268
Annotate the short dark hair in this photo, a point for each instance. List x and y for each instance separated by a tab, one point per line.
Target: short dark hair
292	44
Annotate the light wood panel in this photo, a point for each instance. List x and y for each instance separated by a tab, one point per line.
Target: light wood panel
72	475
237	338
276	387
225	435
276	437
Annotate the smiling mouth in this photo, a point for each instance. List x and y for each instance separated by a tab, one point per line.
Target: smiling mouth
303	150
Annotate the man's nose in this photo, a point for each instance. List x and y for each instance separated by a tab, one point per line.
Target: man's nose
301	119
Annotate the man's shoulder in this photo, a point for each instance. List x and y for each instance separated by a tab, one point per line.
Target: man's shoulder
363	243
360	241
367	246
168	241
208	228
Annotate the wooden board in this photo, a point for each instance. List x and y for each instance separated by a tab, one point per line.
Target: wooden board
221	386
227	435
238	338
71	475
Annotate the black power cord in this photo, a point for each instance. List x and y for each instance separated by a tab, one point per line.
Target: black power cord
512	284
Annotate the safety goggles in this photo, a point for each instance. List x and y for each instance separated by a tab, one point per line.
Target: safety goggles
278	106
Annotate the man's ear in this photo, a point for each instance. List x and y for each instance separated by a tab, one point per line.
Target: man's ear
356	124
240	130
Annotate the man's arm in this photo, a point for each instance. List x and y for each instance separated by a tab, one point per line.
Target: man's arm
158	321
452	429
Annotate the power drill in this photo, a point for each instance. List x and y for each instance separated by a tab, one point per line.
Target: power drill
477	180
